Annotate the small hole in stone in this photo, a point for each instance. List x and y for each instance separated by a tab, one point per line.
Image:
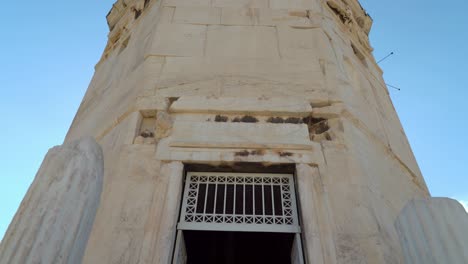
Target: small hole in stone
275	120
137	13
319	128
220	118
146	133
172	100
244	153
312	120
293	120
257	152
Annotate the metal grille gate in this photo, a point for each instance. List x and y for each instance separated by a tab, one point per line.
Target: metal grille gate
239	202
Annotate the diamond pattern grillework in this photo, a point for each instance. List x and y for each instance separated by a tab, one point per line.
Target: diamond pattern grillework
239	202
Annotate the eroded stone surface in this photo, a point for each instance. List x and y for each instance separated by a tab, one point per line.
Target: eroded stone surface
56	217
433	230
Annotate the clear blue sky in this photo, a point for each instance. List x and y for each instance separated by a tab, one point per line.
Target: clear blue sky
48	50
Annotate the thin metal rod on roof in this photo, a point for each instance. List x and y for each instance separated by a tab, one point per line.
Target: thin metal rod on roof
386	57
393	87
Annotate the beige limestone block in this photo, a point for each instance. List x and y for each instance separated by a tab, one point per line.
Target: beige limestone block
260	106
298	43
164	123
368	119
201	15
126	245
177	3
367	159
240	135
241	42
241	3
194	87
328	112
315	216
297	75
148	105
310	228
433	230
168	216
267	17
273	17
260	154
152	67
62	200
140	187
295	4
108	108
179	40
364	230
160	215
136	163
353	213
239	16
341	167
139	140
167	13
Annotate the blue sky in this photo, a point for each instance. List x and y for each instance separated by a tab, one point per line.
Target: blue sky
49	48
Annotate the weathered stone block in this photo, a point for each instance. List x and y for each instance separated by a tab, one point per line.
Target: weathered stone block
239	16
433	230
241	42
62	200
299	43
197	15
179	40
187	3
241	3
240	135
295	4
297	75
235	105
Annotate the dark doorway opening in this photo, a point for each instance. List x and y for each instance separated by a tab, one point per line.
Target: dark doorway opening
216	247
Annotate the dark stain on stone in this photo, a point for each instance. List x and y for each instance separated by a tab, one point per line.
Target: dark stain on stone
275	120
312	120
220	118
244	153
137	13
319	128
258	152
249	119
172	100
294	120
147	134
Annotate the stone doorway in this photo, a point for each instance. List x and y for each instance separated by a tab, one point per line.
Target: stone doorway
235	218
223	247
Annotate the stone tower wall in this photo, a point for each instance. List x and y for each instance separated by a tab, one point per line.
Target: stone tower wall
221	82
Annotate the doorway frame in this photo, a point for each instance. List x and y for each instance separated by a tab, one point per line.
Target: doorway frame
298	255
